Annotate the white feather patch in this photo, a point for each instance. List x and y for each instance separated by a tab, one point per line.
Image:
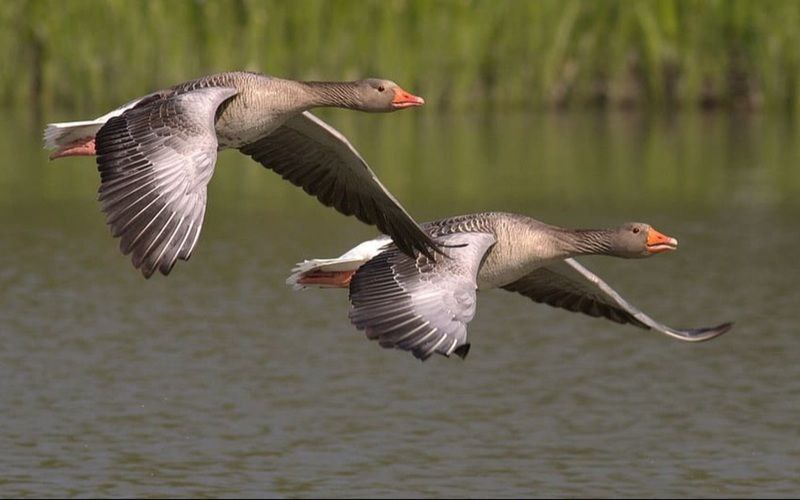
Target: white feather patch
349	261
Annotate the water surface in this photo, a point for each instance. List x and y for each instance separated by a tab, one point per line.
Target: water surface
220	381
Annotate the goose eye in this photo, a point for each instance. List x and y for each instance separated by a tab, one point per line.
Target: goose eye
635	230
380	88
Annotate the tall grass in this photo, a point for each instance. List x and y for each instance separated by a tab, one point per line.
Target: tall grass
89	55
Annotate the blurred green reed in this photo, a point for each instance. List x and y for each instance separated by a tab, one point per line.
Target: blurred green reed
89	55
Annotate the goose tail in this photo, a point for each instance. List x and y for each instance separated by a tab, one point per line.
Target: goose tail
335	273
65	135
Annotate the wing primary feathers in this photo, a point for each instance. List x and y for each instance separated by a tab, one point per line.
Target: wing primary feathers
420	305
311	154
155	160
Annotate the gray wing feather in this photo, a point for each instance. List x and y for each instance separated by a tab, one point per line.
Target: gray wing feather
420	305
569	285
311	154
155	161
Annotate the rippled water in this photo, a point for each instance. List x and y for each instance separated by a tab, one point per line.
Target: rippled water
220	381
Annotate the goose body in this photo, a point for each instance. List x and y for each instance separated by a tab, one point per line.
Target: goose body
156	155
423	304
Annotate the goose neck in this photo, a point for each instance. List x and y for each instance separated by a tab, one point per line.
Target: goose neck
585	242
333	94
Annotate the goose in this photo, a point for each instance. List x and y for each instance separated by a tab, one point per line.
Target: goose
156	155
423	304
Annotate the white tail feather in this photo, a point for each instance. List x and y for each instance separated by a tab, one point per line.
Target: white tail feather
349	261
58	135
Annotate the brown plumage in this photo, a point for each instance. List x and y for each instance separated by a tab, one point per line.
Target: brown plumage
157	153
424	305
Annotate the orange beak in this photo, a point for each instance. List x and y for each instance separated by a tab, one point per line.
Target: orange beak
403	99
658	242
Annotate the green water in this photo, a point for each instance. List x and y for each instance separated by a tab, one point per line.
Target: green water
220	381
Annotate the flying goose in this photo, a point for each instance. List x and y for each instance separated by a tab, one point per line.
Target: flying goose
423	304
156	155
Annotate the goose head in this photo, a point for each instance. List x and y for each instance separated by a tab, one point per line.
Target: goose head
382	96
637	239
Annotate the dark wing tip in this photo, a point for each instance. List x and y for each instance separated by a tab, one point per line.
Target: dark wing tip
462	350
426	247
703	334
417	241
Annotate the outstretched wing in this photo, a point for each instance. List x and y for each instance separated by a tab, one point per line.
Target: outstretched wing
311	154
420	305
155	161
569	285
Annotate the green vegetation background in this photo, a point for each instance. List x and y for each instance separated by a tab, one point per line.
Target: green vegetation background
90	55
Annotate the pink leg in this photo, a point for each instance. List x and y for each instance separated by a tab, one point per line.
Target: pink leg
81	147
337	279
